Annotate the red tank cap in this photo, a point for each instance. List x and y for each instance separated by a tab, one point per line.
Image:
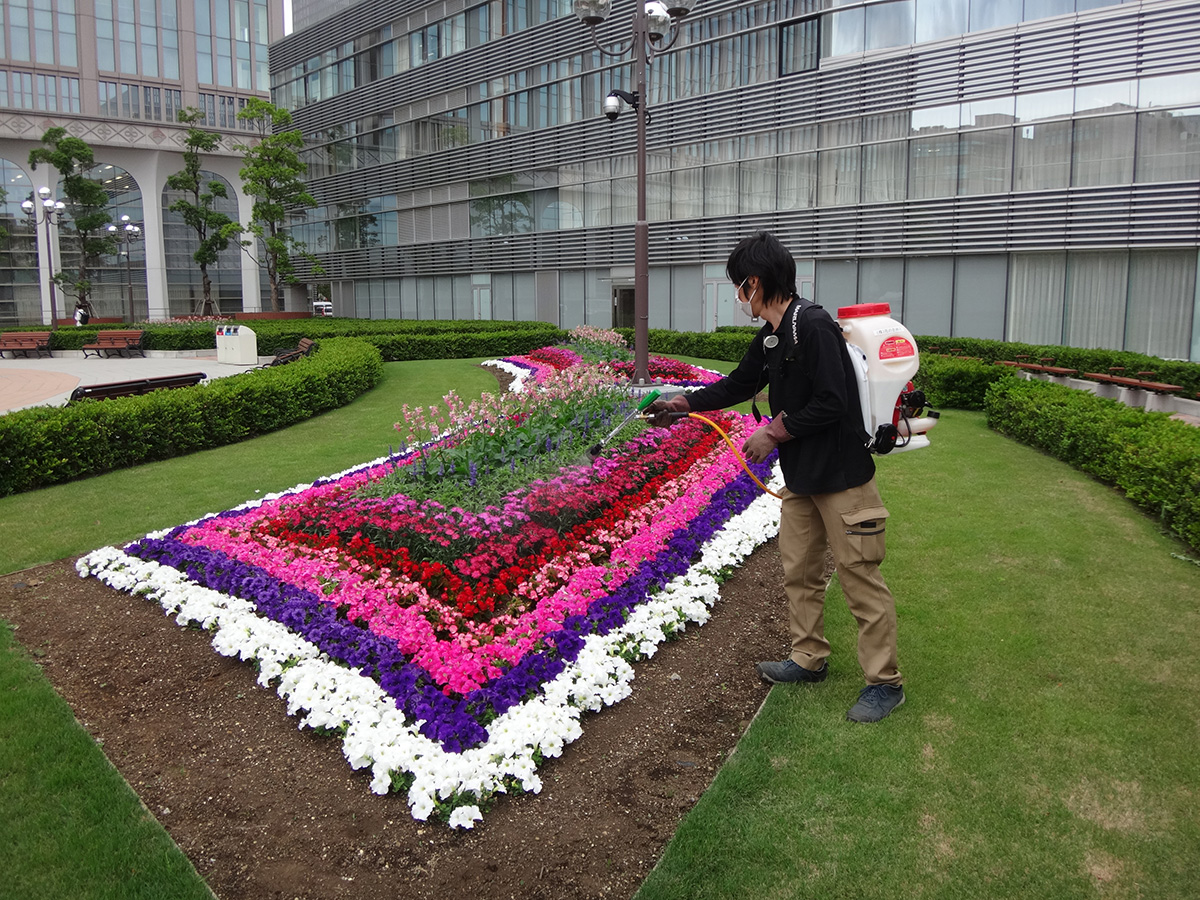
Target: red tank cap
860	310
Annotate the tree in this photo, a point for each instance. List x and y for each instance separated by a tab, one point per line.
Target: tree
86	200
271	175
214	229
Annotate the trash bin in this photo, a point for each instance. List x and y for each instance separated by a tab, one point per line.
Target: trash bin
237	345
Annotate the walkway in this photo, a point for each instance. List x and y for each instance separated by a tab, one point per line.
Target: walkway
49	381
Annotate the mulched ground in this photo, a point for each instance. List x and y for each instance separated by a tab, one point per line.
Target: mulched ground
265	810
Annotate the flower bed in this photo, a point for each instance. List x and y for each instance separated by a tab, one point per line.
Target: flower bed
454	649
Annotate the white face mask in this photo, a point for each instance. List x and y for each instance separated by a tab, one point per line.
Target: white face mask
745	304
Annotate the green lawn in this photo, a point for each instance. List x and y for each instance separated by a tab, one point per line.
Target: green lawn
69	519
1048	641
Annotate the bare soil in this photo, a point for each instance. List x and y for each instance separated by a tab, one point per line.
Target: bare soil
265	810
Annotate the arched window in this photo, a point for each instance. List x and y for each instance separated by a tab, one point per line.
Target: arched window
20	296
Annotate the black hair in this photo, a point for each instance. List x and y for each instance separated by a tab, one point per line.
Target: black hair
763	255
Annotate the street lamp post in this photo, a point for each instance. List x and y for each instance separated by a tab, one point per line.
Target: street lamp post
655	28
50	210
127	233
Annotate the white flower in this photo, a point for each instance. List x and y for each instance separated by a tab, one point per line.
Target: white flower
465	817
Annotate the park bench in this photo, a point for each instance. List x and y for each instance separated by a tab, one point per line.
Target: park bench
23	342
135	387
304	348
1043	365
1155	387
119	342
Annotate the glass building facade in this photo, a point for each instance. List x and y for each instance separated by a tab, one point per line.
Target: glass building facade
115	73
1016	169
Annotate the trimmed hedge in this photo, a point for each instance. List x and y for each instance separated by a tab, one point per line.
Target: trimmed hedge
950	382
1152	458
48	445
1171	371
279	334
723	345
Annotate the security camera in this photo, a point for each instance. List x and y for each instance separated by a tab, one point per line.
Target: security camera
612	107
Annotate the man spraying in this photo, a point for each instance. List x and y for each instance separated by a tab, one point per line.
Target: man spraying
830	495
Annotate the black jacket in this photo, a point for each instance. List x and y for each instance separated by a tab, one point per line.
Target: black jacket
813	386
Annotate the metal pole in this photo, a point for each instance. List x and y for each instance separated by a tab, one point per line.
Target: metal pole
129	273
50	257
641	228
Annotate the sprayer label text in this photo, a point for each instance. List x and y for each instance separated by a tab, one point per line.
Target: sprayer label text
897	348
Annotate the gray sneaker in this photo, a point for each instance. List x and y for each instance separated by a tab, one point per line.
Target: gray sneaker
788	672
876	702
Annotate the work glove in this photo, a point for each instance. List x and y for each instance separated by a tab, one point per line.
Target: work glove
765	439
659	412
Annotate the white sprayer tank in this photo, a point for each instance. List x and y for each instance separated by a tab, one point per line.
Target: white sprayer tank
891	360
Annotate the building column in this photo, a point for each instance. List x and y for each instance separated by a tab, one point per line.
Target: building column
252	297
157	302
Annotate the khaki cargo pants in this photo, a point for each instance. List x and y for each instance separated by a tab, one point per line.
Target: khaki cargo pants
853	523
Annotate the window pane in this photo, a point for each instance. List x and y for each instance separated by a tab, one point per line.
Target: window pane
1168	149
933	167
1169	90
1043	9
1043	158
936	118
883	171
980	283
881	281
756	186
720	190
1035	308
988	113
889	25
798	181
985	166
1162	291
687	193
994	13
1097	284
929	294
1116	96
1103	151
837	183
1045	105
843	33
801	51
940	18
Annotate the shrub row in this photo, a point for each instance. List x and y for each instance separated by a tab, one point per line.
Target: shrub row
278	334
957	383
463	345
729	346
1152	458
1172	371
48	445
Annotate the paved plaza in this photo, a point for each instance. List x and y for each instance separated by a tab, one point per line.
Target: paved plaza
49	381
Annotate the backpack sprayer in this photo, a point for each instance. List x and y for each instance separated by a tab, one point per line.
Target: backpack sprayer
884	356
885	359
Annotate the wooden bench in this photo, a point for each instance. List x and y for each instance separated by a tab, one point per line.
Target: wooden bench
119	342
1155	387
25	341
304	348
1037	367
136	387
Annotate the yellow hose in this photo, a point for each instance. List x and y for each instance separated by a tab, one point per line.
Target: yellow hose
735	450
